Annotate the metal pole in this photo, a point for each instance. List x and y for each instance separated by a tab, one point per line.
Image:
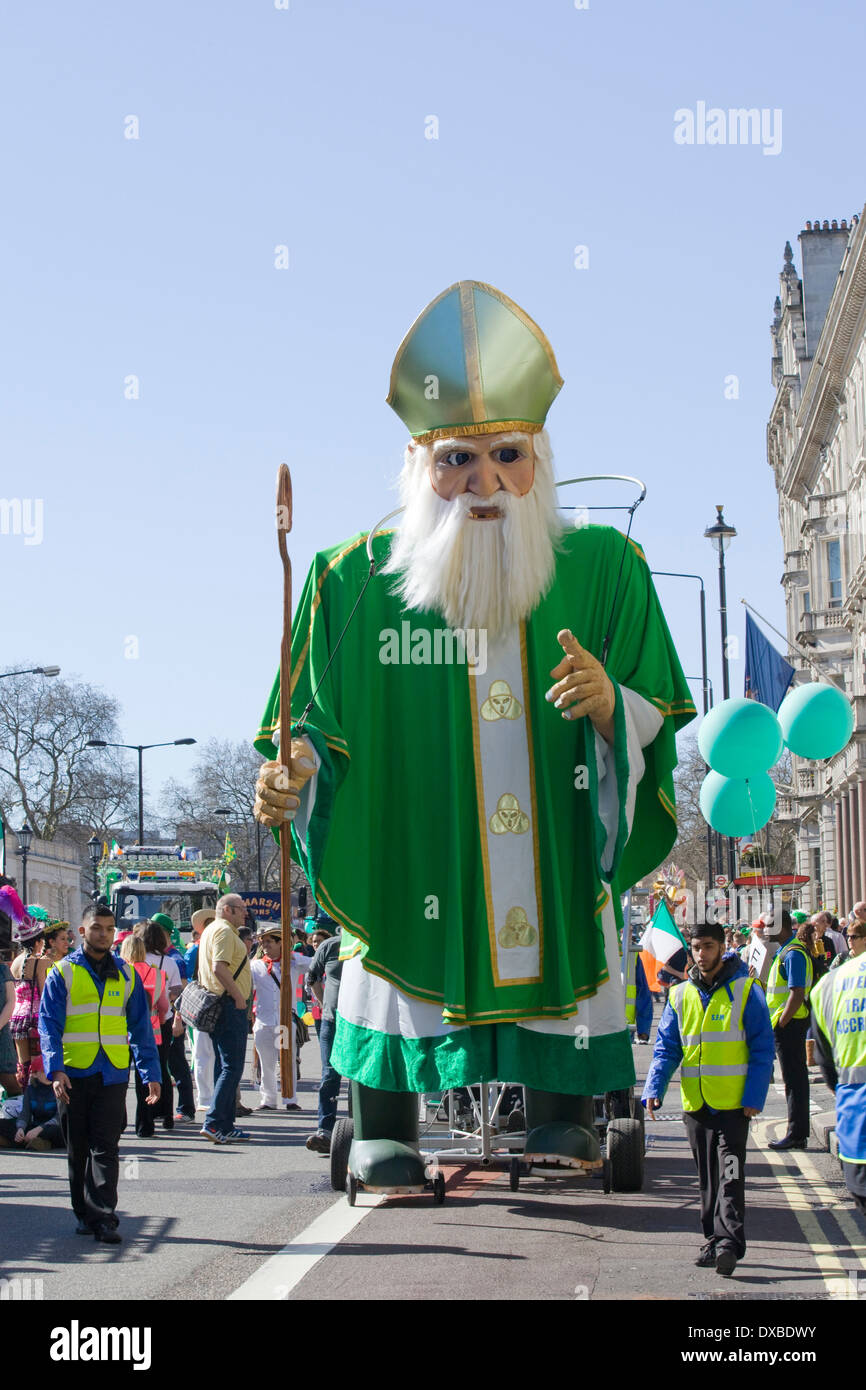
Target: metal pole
258	857
24	876
723	611
726	684
140	794
706	693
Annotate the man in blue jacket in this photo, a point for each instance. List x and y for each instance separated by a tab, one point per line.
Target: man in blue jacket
93	1006
716	1027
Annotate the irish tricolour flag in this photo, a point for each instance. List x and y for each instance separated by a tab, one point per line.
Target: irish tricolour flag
663	938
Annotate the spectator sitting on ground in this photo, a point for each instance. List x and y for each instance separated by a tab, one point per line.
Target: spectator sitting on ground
37	1127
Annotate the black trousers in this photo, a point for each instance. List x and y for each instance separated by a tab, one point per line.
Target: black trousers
91	1123
179	1068
791	1048
718	1144
855	1181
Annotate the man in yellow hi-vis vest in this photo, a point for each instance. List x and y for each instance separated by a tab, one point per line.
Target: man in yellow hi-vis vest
93	1008
839	1026
716	1028
788	986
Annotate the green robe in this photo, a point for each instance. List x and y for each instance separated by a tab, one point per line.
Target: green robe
394	848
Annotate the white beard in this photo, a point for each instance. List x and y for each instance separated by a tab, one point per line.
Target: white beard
476	574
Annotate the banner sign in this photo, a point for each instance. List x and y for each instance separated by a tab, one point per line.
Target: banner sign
265	905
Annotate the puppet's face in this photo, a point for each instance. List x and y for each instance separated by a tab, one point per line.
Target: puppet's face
482	466
476	541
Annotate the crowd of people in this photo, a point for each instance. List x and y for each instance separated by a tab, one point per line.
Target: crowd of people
789	986
79	1015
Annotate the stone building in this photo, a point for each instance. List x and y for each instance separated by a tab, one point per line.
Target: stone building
54	876
816	446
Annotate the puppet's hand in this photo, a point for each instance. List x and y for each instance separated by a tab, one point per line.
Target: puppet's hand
277	796
582	686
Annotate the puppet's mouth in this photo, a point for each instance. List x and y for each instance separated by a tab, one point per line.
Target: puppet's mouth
485	513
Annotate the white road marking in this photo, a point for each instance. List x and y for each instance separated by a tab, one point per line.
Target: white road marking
276	1278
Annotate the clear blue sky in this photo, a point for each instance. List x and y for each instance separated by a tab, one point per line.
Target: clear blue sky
260	127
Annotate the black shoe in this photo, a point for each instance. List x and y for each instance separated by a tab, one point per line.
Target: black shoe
726	1263
707	1258
788	1143
109	1235
84	1228
168	1124
320	1143
243	1110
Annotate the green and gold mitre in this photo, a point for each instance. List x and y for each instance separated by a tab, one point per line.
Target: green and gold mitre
473	363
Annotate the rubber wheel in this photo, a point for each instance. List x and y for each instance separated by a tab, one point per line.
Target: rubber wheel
439	1189
605	1175
341	1142
514	1174
516	1122
349	1107
351	1189
625	1140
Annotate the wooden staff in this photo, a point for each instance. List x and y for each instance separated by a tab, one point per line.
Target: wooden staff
287	1003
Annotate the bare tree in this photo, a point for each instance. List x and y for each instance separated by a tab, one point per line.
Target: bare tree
225	778
48	776
774	845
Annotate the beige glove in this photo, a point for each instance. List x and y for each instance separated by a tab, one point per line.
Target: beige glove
582	686
277	797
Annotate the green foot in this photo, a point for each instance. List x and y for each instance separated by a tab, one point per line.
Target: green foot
568	1145
386	1165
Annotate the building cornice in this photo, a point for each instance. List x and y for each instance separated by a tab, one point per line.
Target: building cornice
818	411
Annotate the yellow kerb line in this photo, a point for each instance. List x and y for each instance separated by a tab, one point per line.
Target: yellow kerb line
825	1256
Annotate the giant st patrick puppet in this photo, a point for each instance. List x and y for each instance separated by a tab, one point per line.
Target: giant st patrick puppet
472	789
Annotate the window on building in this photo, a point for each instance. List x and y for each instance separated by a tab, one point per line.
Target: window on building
807	601
834	574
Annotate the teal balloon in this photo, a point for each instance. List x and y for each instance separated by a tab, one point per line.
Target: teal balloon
817	720
737	805
740	737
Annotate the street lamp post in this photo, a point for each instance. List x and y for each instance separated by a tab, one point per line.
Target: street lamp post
140	749
94	849
25	835
33	671
720	536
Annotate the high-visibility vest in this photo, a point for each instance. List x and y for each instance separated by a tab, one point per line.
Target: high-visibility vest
93	1022
631	987
715	1053
777	985
839	1005
153	980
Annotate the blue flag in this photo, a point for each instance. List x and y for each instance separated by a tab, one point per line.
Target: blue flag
768	674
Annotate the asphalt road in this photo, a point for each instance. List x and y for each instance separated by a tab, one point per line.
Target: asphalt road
200	1221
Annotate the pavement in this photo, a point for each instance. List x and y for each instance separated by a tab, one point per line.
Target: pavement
260	1221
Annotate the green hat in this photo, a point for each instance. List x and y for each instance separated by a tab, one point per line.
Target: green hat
800	916
473	363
